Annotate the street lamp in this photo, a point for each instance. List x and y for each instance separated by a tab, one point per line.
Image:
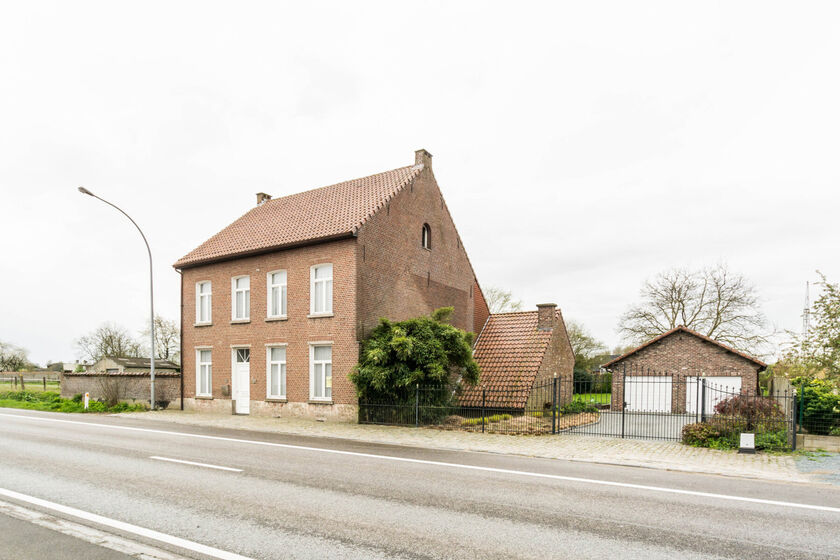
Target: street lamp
151	288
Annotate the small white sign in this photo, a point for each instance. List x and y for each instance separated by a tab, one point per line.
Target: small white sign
747	443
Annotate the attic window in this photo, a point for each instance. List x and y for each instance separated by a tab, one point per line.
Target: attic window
427	237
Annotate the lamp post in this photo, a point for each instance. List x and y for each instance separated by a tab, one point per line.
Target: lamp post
151	289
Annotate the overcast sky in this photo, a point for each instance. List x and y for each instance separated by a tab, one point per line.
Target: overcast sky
581	146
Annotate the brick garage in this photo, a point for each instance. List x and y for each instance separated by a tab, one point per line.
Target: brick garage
369	229
679	354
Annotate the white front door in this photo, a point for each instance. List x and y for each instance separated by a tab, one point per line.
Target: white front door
717	389
241	379
648	393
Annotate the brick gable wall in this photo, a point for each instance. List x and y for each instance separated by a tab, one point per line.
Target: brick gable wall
398	278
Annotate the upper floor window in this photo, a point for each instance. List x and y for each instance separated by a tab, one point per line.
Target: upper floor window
321	289
203	306
241	298
427	237
276	296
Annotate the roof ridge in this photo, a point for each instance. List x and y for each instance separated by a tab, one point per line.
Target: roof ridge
335	184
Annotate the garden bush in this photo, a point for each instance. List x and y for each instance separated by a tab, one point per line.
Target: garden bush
424	351
576	407
700	434
820	405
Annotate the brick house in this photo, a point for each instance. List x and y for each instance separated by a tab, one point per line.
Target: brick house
662	374
520	351
273	306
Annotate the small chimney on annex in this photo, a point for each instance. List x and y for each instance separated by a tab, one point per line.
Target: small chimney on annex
545	316
262	197
424	158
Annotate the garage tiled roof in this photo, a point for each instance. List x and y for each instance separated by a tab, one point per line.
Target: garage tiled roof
509	352
684	329
319	214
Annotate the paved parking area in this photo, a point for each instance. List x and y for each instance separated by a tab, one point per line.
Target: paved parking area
637	425
669	455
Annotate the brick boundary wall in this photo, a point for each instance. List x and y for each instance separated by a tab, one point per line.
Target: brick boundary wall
135	386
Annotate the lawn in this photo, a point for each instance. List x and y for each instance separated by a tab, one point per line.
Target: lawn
594	398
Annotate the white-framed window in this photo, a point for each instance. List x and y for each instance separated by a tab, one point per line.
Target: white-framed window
320	371
321	289
426	238
241	298
275	371
203	372
203	303
276	296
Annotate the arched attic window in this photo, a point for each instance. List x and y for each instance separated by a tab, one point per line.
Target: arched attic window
427	237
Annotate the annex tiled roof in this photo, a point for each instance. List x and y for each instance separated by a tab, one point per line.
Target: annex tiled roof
509	352
319	214
161	373
145	363
691	332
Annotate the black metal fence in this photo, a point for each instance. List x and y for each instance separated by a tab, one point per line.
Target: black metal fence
712	410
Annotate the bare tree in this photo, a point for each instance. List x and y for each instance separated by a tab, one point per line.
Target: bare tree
167	339
585	346
13	358
111	389
714	301
500	301
108	339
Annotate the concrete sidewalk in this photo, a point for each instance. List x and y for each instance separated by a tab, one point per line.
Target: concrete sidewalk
628	452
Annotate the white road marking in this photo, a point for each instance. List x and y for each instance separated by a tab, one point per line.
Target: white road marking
445	464
123	526
195	464
87	534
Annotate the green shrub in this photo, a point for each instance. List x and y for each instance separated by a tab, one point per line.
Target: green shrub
820	405
487	420
699	434
771	440
576	407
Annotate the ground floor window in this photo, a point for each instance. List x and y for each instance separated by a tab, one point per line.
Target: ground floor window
320	371
276	368
204	373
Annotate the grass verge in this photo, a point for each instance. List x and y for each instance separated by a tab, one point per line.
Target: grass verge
52	402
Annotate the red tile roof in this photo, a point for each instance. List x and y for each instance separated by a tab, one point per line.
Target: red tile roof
320	214
509	352
681	328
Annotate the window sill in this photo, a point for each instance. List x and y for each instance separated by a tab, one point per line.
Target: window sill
204	397
202	324
319	315
320	401
281	318
240	321
276	399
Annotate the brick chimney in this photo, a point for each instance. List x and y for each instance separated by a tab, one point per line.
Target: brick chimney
423	157
545	316
262	197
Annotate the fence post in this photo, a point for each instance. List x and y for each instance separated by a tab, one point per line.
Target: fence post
793	422
554	406
483	405
22	384
416	405
801	402
703	400
623	396
45	383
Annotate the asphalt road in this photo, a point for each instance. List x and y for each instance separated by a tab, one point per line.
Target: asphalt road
340	499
